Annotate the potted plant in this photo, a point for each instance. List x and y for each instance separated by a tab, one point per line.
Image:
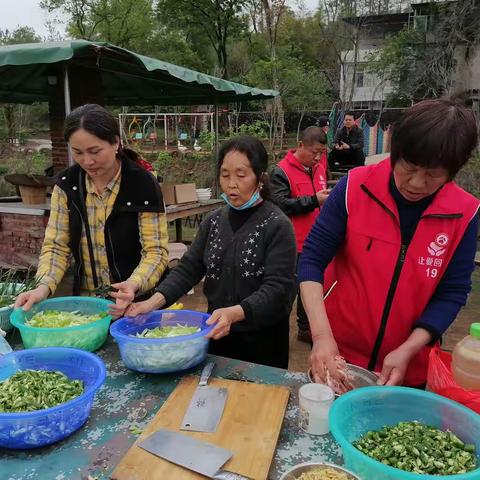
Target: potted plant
27	175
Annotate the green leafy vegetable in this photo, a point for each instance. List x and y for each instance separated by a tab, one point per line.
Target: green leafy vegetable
166	332
414	447
31	390
11	287
57	319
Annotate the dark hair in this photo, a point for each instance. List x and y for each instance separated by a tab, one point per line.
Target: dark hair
323	122
349	113
437	133
313	135
97	121
256	154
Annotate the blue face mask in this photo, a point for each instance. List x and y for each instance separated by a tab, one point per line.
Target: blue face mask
248	204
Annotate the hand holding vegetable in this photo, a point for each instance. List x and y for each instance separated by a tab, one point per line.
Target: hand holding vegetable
123	297
28	299
223	319
155	302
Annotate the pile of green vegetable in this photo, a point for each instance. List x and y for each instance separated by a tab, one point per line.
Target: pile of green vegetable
168	331
418	448
11	287
31	390
57	319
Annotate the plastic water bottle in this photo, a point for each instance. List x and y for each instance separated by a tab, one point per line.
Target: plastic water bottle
4	345
466	360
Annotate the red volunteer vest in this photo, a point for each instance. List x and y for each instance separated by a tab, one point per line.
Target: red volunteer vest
302	185
383	286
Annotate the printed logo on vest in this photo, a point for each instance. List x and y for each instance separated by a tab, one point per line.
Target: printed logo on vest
437	247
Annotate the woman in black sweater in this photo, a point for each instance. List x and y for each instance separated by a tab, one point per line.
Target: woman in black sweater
246	252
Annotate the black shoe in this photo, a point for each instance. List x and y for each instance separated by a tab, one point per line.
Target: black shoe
304	336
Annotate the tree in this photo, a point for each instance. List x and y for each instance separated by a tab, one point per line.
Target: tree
219	20
126	23
432	61
13	113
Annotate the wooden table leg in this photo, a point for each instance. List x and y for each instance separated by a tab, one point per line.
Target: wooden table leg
178	229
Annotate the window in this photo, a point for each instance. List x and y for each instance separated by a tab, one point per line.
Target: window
359	79
420	23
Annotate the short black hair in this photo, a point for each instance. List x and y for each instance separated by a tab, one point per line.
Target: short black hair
350	113
256	153
436	133
312	135
323	122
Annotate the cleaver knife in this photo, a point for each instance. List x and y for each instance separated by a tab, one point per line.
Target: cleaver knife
206	406
196	455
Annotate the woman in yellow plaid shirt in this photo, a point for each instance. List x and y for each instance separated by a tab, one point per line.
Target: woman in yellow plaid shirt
107	212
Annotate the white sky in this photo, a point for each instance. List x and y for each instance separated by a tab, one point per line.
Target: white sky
15	13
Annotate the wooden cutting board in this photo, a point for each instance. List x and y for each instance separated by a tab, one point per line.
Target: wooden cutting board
249	427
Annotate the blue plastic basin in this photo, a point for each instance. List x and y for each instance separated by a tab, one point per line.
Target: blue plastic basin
43	427
162	355
372	408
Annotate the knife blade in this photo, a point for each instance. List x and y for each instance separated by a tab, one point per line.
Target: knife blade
196	455
206	406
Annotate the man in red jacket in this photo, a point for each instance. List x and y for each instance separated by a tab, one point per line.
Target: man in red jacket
299	188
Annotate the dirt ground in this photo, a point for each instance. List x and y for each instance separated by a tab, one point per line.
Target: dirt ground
299	351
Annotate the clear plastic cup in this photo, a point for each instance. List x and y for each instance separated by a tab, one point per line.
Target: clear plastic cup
315	401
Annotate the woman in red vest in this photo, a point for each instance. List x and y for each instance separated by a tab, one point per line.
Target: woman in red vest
399	237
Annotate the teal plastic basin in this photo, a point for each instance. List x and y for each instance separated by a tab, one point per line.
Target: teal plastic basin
371	408
88	337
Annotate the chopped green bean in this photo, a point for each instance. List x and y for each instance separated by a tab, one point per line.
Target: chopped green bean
31	390
414	447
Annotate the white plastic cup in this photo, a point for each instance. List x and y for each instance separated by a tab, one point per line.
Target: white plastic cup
315	401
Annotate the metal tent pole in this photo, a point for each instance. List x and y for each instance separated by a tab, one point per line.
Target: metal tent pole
68	107
216	128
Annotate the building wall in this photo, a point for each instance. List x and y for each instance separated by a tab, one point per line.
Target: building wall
21	238
367	86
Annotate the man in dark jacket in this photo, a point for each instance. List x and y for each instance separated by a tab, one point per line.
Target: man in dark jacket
347	151
299	188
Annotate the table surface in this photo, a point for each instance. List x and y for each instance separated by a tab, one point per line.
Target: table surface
130	399
184	209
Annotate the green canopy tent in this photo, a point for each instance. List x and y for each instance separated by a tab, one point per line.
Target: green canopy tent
84	71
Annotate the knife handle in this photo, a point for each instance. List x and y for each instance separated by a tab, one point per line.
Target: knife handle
206	372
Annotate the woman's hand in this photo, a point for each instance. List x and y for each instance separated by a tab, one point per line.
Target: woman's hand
156	301
323	355
394	367
123	297
223	319
395	364
28	299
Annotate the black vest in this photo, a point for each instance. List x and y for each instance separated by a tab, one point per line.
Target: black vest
139	192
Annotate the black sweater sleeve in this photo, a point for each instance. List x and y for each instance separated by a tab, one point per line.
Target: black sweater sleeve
281	195
278	283
189	271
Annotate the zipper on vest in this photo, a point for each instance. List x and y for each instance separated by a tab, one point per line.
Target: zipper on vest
113	255
388	306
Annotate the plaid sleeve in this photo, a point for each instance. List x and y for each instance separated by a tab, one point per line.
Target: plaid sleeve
154	240
54	257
